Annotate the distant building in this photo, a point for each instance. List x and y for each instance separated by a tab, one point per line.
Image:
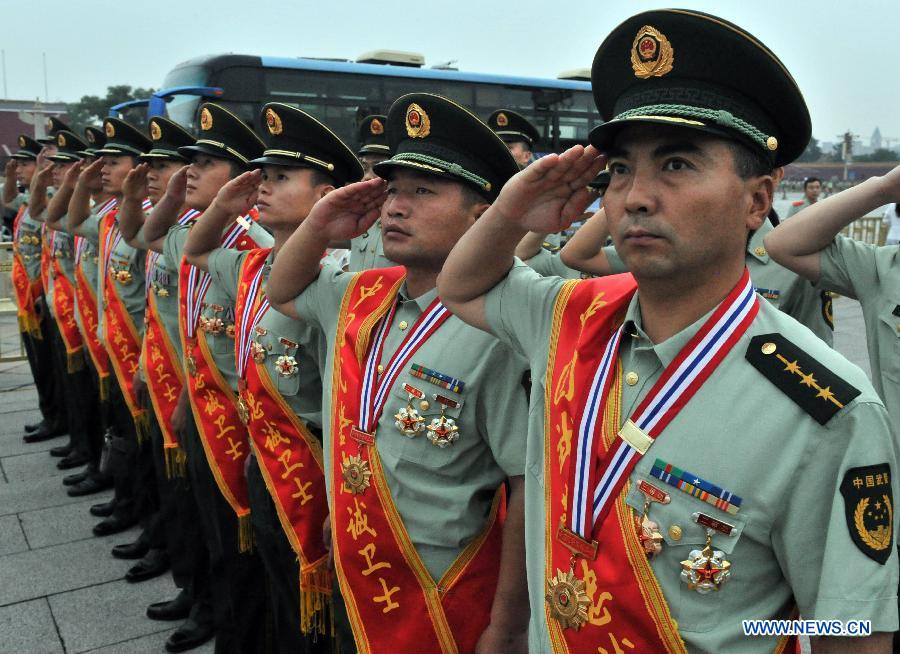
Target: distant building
25	117
876	141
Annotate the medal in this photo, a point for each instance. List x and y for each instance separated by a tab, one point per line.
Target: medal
286	365
214	326
124	277
230	330
705	570
191	365
442	431
568	600
356	474
243	410
162	292
407	420
257	352
648	530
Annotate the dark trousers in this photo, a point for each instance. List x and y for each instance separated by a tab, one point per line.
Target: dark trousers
282	572
81	407
96	407
40	360
237	579
130	463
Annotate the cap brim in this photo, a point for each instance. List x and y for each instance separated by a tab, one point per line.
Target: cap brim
161	155
603	136
287	162
51	141
64	158
384	168
116	151
26	157
190	151
374	149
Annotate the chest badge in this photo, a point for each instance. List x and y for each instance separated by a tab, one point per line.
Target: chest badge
407	420
286	365
443	431
705	570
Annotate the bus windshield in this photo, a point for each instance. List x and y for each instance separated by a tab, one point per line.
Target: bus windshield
183	108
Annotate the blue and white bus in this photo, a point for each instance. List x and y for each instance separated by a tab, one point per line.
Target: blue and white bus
340	93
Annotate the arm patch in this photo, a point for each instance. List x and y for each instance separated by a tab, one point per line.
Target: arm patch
810	385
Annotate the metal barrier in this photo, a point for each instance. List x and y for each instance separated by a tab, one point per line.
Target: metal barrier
9	328
868	229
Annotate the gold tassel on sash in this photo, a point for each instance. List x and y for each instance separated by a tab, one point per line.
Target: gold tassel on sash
315	599
245	533
104	388
142	427
176	461
74	362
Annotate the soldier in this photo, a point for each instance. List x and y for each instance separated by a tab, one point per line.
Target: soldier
811	246
517	132
121	293
367	249
693	371
807	303
812	188
29	292
423	413
215	466
278	362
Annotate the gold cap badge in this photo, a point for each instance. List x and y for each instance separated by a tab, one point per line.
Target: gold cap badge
155	131
21	141
61	140
772	143
651	53
206	120
502	120
273	122
49	123
376	127
90	137
418	125
110	130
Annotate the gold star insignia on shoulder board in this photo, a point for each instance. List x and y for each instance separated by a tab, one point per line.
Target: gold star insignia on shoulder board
810	385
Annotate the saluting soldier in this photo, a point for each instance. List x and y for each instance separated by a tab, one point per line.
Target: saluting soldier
367	249
122	301
20	169
812	188
215	449
788	503
278	365
424	415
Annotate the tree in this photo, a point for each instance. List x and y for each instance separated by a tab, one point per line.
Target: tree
881	154
91	109
812	152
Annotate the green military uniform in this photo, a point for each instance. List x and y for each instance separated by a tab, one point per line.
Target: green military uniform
547	262
797	207
237	594
790	499
783	422
367	249
871	274
808	304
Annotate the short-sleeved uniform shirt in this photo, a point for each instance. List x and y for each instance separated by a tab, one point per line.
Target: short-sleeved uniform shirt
797	207
787	291
29	245
444	495
871	274
367	250
162	283
128	266
280	336
547	263
217	303
89	261
741	433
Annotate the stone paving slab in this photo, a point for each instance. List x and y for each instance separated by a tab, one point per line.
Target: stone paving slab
35	494
68	523
33	574
152	644
12	538
11	442
111	613
28	628
34	465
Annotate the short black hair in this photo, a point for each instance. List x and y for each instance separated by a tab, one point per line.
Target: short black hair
320	177
749	162
810	180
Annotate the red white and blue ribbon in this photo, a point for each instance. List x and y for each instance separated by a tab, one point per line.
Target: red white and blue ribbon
199	281
249	322
597	478
153	256
374	390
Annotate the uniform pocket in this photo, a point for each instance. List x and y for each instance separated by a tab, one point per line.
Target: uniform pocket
890	353
419	449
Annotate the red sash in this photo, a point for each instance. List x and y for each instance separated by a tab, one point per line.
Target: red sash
121	336
87	311
393	603
63	303
46	256
289	456
26	313
213	402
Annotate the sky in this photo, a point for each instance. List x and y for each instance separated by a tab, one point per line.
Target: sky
837	51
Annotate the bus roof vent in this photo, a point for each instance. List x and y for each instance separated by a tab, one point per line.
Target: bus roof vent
392	58
580	74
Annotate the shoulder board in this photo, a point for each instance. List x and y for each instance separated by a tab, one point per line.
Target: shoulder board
810	385
796	203
550	247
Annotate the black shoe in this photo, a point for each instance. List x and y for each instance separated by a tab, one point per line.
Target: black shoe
42	434
89	486
176	609
133	551
74	460
61	450
103	510
154	563
113	525
188	636
77	478
34	426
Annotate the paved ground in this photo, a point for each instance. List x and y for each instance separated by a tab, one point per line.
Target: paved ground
60	590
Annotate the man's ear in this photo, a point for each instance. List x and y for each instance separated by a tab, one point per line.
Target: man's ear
478	209
761	190
325	189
